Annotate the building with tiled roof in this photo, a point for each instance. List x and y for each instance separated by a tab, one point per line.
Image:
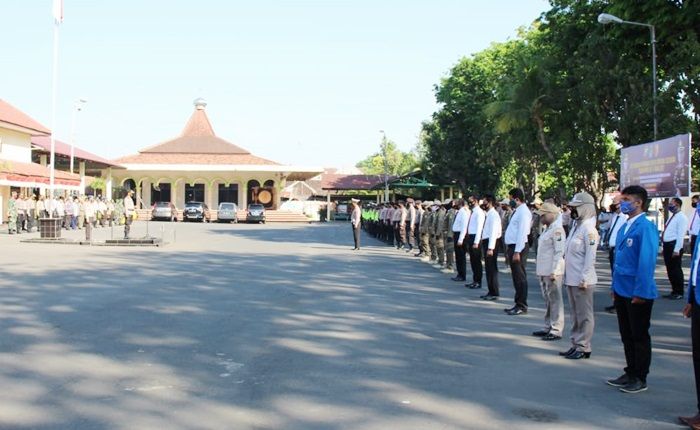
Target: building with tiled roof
198	165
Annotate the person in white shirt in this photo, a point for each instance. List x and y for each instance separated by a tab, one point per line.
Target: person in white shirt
459	233
610	239
474	229
672	238
517	249
89	208
355	221
694	227
489	245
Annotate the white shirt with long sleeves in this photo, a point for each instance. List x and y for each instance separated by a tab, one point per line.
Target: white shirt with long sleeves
519	227
461	221
675	229
492	228
694	226
617	222
476	223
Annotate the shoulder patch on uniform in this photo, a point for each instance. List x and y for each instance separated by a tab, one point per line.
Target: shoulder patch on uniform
630	242
592	238
557	235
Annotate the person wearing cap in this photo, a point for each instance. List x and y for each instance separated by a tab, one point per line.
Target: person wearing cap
403	220
634	288
447	236
424	229
489	244
517	249
580	275
550	270
418	205
89	211
410	226
129	211
355	221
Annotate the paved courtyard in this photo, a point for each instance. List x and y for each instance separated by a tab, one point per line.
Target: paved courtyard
284	327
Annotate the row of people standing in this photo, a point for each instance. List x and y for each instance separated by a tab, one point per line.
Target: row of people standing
565	261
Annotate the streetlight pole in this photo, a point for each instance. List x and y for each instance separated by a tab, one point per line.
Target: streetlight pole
77	108
606	18
386	167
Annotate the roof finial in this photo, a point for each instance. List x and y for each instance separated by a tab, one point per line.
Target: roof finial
200	103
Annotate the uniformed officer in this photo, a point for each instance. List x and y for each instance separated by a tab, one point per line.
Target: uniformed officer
550	270
410	224
416	227
424	229
431	231
438	229
634	288
447	236
403	220
355	221
129	210
580	275
21	204
12	214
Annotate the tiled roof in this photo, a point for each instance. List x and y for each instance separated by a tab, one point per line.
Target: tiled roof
32	172
350	182
14	116
155	158
62	148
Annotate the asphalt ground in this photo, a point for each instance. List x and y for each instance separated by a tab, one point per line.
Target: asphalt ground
285	327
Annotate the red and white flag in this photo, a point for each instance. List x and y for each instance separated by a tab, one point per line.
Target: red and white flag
58	11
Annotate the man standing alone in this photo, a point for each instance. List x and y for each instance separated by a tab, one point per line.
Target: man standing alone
355	220
129	210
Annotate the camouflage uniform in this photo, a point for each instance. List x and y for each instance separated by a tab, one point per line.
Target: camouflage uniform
449	240
431	235
12	216
439	227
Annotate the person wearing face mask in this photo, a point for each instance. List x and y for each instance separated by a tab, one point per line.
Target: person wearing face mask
550	270
692	311
694	227
475	228
610	240
580	275
517	249
672	242
634	288
489	246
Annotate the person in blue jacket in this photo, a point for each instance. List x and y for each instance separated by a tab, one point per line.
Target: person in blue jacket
634	288
692	311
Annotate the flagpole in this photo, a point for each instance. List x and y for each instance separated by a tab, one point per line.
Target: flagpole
54	93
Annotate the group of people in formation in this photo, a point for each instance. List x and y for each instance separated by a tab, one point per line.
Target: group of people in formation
566	240
74	212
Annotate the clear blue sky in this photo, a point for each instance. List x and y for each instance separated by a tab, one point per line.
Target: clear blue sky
300	82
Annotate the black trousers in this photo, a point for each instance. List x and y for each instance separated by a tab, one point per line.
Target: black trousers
356	236
695	335
475	259
491	266
460	256
611	259
674	270
634	322
517	270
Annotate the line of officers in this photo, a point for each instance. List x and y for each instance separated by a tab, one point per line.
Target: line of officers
446	233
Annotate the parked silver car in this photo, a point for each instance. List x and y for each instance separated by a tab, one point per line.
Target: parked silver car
228	212
164	210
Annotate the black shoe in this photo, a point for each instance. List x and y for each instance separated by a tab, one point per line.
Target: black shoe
619	382
458	279
567	353
491	298
577	355
474	286
634	387
506	310
540	333
517	311
550	337
676	296
610	309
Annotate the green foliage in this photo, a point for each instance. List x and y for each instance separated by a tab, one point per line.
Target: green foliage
547	110
397	162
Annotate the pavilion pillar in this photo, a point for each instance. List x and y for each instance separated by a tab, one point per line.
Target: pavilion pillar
81	172
138	195
108	185
451	190
244	194
442	194
328	206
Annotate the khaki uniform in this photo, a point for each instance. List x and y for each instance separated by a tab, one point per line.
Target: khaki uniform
424	230
580	270
12	216
431	235
449	239
438	231
550	271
